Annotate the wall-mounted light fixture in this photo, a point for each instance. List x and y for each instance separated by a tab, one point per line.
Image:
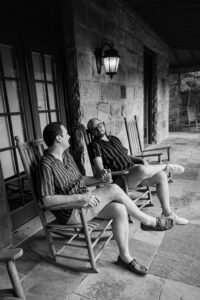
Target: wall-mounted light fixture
110	58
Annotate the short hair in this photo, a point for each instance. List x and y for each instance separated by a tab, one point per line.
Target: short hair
51	131
89	124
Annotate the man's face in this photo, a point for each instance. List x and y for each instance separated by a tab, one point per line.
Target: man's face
97	128
65	138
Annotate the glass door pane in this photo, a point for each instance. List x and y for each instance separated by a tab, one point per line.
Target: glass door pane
12	122
46	88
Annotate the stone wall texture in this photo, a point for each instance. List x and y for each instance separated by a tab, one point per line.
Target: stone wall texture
100	21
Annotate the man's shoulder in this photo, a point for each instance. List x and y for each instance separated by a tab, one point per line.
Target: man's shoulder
46	161
93	143
113	137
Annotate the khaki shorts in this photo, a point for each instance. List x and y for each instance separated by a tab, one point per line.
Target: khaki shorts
75	217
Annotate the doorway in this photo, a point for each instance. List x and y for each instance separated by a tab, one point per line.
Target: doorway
31	96
149	75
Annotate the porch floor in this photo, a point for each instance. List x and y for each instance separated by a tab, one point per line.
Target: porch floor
173	257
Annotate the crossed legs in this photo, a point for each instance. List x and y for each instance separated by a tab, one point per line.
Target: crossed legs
152	175
115	204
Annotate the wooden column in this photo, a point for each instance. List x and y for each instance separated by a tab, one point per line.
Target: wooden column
5	222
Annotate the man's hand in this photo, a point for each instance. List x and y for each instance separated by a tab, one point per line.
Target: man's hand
105	175
90	199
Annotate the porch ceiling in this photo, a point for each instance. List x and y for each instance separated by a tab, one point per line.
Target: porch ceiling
177	22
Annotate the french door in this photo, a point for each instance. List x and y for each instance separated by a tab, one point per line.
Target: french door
31	96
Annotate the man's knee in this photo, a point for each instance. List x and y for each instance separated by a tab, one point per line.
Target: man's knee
113	189
140	170
119	210
161	176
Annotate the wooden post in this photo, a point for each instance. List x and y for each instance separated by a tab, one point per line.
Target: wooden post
5	222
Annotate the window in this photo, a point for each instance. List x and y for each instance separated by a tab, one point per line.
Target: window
46	88
12	123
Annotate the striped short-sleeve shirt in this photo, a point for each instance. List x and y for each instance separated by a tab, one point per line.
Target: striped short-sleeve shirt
114	155
55	177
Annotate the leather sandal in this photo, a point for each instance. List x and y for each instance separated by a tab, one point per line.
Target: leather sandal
133	266
162	224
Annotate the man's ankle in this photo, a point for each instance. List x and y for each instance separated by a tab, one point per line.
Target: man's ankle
151	222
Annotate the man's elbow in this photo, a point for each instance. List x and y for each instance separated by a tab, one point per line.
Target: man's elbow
47	201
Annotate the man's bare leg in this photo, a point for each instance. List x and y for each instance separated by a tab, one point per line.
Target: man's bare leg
113	192
162	189
138	173
120	226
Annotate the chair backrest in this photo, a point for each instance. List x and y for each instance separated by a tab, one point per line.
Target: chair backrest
30	153
133	136
126	131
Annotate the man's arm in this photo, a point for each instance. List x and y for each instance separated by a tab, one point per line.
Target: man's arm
99	169
83	200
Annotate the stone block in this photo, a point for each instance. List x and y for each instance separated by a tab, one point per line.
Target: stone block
110	28
85	65
89	92
81	11
110	91
115	110
103	111
88	110
96	20
130	93
86	39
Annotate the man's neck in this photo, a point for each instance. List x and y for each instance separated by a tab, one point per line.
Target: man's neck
57	152
105	138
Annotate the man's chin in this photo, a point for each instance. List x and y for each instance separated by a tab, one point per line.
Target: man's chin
100	135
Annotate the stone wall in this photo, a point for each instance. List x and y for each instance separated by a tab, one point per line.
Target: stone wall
100	21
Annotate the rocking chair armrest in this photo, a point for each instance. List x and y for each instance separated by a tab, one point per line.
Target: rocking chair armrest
63	206
120	173
160	148
159	154
10	254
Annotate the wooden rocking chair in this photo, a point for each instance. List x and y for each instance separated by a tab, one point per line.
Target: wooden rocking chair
136	149
144	198
89	237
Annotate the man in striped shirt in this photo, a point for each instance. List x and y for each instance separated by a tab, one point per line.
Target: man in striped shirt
107	152
59	182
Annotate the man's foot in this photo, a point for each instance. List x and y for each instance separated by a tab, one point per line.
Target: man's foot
178	220
175	169
162	224
133	266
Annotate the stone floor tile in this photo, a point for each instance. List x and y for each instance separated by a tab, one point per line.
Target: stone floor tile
178	187
113	282
77	297
192	213
182	242
50	282
175	290
178	257
141	251
194	186
150	237
180	270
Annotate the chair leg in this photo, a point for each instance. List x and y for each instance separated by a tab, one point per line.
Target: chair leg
51	243
14	278
88	240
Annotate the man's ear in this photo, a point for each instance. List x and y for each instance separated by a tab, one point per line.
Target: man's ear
58	138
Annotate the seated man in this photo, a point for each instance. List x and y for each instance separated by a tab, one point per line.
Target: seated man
107	152
60	182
